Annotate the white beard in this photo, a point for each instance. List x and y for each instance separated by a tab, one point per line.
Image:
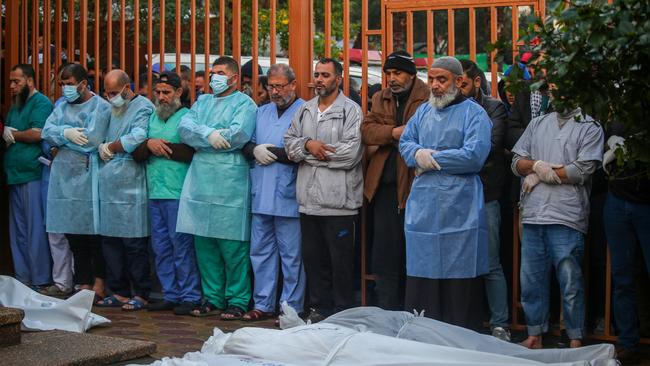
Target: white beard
444	100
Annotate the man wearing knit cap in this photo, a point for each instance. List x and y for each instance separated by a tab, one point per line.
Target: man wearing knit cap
447	141
388	179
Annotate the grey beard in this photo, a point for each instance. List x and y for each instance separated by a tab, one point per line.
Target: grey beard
164	111
444	100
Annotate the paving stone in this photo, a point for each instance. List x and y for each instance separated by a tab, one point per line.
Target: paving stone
10	320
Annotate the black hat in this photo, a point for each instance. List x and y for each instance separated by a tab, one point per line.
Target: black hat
247	69
400	60
171	78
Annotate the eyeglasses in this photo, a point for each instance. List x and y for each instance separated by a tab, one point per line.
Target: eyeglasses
278	87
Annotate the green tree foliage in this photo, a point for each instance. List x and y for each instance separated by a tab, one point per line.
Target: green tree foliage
596	56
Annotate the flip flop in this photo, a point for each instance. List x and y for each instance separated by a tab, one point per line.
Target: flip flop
206	309
256	315
232	313
137	305
110	302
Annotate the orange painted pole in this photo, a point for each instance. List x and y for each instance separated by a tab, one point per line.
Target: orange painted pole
236	34
409	32
300	34
83	32
97	54
58	11
178	34
109	36
35	50
123	35
328	28
254	51
272	19
71	46
472	34
222	27
161	37
346	47
430	46
149	48
192	37
47	62
493	39
136	44
451	40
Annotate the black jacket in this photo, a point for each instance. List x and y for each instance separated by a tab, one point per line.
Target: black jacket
520	117
494	170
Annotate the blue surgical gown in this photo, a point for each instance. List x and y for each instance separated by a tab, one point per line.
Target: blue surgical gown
445	224
274	186
73	196
123	201
215	200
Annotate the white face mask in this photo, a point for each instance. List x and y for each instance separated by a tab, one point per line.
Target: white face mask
70	92
117	101
219	84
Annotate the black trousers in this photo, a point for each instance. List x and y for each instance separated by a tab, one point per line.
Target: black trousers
454	301
388	249
328	256
88	258
127	264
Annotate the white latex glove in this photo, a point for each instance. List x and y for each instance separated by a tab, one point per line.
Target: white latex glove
217	141
425	160
8	135
262	154
615	142
608	158
104	152
546	173
530	182
75	135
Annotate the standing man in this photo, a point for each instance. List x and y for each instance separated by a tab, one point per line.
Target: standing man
388	179
325	139
447	140
556	156
123	196
275	236
77	127
22	135
492	177
167	162
215	200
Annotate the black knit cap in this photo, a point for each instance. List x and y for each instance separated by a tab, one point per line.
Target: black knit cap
400	60
247	69
171	78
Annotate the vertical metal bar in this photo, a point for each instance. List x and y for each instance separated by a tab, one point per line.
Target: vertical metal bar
97	53
236	34
123	35
178	34
430	46
346	47
161	37
136	44
300	35
328	28
515	266
389	34
192	36
24	33
451	39
493	39
109	35
35	59
254	19
515	31
222	27
206	48
409	32
70	34
47	29
83	32
272	18
364	108
12	49
58	15
472	34
149	48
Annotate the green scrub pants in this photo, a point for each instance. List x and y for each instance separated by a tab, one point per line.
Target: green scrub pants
225	271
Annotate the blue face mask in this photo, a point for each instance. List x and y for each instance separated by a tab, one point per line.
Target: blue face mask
70	93
219	84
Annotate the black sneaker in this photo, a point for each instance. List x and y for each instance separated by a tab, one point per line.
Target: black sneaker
184	308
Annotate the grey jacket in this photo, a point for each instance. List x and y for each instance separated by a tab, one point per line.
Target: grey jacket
333	187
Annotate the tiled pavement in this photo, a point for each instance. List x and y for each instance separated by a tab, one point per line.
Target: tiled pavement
175	335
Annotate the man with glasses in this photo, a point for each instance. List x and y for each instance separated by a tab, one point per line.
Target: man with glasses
275	225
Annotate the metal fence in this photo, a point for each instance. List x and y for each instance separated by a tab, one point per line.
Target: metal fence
140	36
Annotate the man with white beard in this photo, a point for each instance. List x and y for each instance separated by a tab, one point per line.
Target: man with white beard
447	140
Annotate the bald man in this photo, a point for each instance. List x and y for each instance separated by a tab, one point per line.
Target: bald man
124	220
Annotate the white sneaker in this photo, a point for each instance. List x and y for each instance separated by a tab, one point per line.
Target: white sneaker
501	333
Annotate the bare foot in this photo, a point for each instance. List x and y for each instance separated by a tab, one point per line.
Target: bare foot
533	342
575	343
134	304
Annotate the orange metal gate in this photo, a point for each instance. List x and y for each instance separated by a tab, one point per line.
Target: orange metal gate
103	34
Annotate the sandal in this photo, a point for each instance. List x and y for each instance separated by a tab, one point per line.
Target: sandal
232	313
109	302
135	304
256	315
205	309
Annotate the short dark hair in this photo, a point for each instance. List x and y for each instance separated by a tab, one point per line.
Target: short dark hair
471	68
185	73
76	71
338	68
26	69
230	63
199	74
144	79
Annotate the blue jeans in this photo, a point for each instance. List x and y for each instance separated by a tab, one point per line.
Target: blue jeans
562	247
625	223
495	281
